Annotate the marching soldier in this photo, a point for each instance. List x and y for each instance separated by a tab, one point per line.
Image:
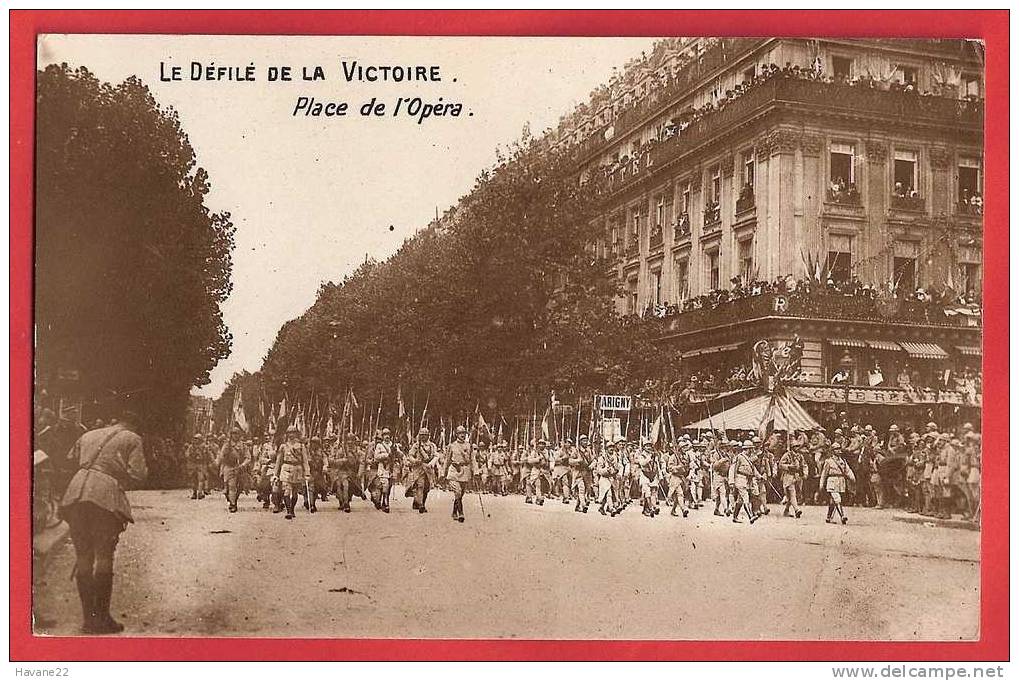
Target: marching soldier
561	471
792	467
719	462
422	456
381	460
741	473
95	507
196	458
647	467
499	468
835	473
343	469
537	464
457	469
233	458
265	461
481	467
606	468
316	462
293	469
678	466
580	469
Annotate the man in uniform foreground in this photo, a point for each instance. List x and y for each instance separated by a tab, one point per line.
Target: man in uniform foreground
293	470
457	470
109	460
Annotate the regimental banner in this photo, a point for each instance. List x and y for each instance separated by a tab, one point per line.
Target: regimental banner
615	402
611	429
878	396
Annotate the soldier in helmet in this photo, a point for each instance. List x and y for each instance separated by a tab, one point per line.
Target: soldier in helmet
380	472
265	461
835	476
421	456
677	464
606	468
499	468
342	471
316	461
561	471
293	469
741	473
233	457
792	467
458	470
196	457
580	462
537	476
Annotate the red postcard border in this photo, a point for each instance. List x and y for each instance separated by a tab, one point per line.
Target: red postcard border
990	26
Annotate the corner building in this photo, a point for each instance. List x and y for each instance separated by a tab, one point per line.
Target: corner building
739	160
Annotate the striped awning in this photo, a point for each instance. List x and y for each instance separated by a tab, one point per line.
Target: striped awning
890	346
708	351
755	413
847	343
924	350
969	350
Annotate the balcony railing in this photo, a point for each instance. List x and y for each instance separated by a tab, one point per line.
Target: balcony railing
815	306
633	248
915	203
656	237
682	227
745	201
712	216
786	92
844	197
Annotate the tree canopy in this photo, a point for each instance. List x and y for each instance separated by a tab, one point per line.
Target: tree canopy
497	304
132	267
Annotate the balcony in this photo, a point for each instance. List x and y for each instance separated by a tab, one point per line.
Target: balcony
633	248
855	100
681	227
712	216
813	306
911	203
745	202
656	238
973	207
844	197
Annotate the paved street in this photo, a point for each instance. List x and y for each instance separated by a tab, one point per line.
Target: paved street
190	568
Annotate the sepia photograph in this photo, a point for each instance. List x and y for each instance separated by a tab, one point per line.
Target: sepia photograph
538	338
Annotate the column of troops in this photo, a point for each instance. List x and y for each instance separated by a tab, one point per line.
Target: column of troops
934	473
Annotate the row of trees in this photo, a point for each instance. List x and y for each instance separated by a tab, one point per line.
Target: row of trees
131	265
496	305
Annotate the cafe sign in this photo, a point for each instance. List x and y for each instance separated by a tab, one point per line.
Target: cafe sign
875	396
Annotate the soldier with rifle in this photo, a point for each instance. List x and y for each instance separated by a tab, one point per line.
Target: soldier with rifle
380	471
421	456
233	458
458	469
677	464
196	461
343	468
580	462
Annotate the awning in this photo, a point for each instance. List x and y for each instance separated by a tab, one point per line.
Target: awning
890	346
756	412
969	350
708	351
847	343
923	350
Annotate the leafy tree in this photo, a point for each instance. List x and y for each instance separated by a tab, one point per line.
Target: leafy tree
497	304
131	265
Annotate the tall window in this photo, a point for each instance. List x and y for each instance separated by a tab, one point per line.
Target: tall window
712	269
748	74
682	278
970	85
633	297
904	272
906	75
748	169
660	211
905	171
841	159
716	184
635	226
969	278
656	287
842	68
969	177
746	259
686	198
904	275
840	258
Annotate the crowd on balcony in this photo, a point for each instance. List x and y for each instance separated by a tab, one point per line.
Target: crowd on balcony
633	162
839	191
935	302
971	202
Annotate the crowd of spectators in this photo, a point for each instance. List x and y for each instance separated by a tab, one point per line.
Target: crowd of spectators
851	287
632	162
